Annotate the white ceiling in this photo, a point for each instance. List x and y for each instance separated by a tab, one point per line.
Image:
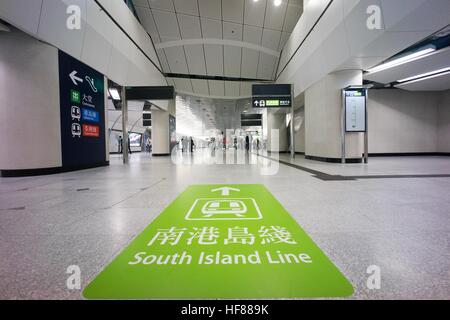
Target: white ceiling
226	38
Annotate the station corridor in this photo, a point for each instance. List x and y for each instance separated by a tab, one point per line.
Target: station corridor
224	158
86	218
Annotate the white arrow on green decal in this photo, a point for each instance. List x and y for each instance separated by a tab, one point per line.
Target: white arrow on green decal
225	190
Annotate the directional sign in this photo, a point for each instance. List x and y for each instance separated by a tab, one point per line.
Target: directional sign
271	96
82	113
251	120
221	241
272	102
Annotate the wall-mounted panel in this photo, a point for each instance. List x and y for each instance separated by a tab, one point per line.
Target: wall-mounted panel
30	133
97	46
24	14
53	26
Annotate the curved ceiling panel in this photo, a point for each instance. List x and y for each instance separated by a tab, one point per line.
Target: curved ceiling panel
233	38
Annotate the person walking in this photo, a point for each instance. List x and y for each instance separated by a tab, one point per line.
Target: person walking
192	145
247	143
120	144
149	145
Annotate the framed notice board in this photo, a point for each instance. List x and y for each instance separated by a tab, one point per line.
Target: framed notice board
355	110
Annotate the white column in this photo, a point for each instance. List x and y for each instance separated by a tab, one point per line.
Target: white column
277	121
160	129
323	107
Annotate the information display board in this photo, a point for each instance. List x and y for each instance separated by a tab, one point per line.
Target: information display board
146	119
151	93
82	103
251	120
355	110
135	139
271	96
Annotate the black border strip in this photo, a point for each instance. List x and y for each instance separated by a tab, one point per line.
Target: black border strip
303	41
273	309
334	160
207	77
411	154
48	171
160	154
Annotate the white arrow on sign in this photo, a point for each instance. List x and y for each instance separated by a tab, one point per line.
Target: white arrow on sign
74	78
225	190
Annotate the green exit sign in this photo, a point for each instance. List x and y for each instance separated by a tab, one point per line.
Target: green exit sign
273	103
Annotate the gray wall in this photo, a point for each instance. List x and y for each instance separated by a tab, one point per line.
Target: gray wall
323	108
30	134
400	121
444	122
405	122
300	134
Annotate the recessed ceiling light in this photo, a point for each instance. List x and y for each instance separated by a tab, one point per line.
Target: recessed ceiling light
277	2
4	27
114	93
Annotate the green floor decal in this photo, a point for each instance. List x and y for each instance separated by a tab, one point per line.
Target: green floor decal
233	241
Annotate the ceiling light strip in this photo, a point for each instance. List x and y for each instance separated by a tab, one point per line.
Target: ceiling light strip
425	52
423	75
425	78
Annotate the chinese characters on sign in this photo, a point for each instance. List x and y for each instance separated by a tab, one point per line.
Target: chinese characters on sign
221	242
90	130
213	235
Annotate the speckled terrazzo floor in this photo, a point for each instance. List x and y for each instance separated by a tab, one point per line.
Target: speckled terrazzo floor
85	218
